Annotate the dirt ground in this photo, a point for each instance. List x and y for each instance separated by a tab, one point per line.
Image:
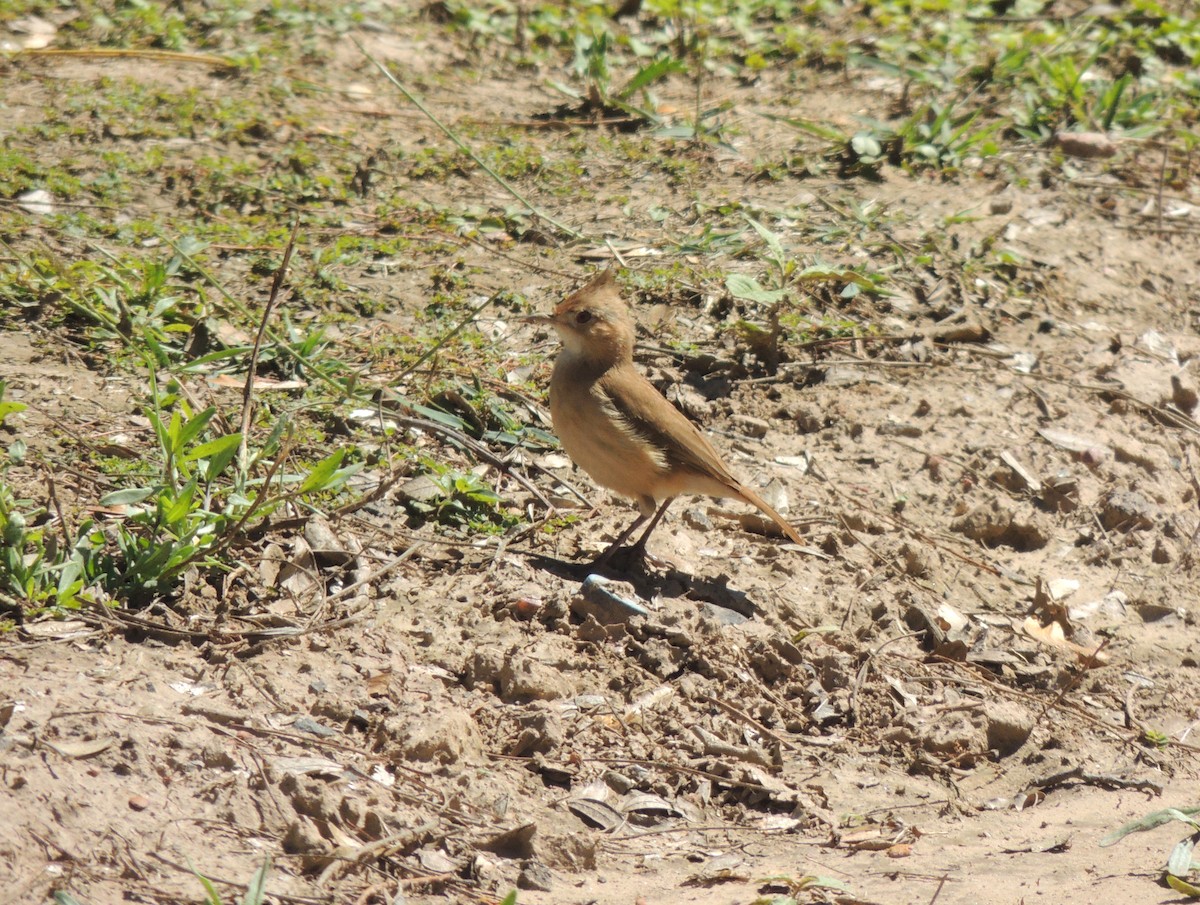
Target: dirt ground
943	696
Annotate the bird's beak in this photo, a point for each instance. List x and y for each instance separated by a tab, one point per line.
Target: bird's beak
538	319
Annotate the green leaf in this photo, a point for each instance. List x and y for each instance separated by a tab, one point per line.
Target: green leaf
214	898
1149	822
818	273
865	145
679	130
1180	861
810	881
342	475
741	286
829	133
892	69
648	75
440	417
219	452
1183	886
194	426
213	447
321	475
634	111
506	438
271	444
178	557
10	408
61	897
179	508
198	364
160	430
126	497
218	463
256	891
771	240
174	427
190	246
68	576
565	89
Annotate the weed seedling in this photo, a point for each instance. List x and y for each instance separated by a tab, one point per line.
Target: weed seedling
1181	861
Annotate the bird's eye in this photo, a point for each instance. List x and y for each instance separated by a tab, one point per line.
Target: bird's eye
583	317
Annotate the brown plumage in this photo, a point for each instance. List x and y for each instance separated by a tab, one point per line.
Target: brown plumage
617	427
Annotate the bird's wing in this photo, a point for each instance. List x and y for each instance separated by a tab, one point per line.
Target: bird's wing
677	442
650	416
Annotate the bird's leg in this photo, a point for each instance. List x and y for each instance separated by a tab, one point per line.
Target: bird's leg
640	547
646	505
603	558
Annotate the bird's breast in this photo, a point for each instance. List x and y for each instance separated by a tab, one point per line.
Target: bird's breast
602	442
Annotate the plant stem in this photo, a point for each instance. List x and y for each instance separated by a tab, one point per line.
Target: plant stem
462	146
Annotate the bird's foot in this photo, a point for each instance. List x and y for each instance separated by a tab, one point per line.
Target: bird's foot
658	562
629	559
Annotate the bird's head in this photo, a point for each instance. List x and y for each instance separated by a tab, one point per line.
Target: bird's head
593	323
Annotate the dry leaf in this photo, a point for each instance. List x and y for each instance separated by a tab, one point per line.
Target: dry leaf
597	813
1053	635
37	32
436	862
1061	588
66	628
298	575
377	685
952	620
37	201
646	803
78	750
1067	440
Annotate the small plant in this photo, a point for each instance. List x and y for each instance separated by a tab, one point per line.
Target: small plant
1152	738
8	407
1180	862
790	888
191	509
933	137
197	502
464	499
785	272
144	304
599	97
256	889
34	571
938	137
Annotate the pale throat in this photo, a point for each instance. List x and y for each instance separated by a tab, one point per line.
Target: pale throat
572	346
590	355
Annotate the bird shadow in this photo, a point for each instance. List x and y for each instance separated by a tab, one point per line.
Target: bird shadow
561	568
649	582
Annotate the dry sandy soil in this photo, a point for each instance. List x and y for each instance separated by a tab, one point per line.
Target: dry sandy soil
943	696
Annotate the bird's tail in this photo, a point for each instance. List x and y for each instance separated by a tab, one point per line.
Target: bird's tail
755	500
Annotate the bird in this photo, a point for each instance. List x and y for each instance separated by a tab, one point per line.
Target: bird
618	428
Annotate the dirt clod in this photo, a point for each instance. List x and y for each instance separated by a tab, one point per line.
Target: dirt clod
1123	510
996	523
